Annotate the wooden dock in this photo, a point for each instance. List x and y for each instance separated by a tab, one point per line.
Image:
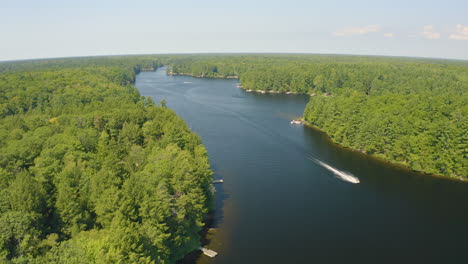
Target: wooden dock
218	181
210	253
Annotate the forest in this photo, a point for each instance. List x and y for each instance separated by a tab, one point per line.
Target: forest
408	111
92	172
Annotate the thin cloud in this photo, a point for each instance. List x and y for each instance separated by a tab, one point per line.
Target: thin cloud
388	35
461	32
352	31
429	32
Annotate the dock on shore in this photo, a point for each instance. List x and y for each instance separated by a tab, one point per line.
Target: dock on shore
210	253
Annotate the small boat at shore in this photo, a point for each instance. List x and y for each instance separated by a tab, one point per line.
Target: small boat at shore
296	122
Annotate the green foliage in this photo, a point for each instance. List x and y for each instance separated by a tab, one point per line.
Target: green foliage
408	111
90	171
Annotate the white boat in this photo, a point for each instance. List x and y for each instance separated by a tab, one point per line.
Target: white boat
296	122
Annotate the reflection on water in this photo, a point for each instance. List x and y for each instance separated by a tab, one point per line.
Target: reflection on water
276	206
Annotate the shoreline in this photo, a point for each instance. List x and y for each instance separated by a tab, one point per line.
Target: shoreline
380	159
209	219
240	86
202	76
276	92
194	255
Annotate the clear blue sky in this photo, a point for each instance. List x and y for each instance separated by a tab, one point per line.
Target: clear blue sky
53	28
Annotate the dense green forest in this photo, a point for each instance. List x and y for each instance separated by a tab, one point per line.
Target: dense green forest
90	171
408	111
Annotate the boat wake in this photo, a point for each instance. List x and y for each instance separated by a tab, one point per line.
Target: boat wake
339	174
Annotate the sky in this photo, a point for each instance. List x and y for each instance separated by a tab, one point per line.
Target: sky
52	28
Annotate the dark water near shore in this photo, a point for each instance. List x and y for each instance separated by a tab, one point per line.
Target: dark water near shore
276	205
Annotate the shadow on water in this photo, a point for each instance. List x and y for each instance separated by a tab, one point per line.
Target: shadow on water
220	197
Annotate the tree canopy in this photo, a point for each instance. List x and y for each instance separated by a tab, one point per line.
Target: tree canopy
92	172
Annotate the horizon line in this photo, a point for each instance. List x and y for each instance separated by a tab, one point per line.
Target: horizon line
230	53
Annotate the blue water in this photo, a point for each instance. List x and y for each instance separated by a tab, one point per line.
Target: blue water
277	205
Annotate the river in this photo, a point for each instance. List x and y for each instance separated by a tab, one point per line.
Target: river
279	203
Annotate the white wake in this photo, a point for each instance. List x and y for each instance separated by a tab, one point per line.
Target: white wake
340	174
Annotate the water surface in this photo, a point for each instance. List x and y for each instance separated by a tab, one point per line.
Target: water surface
277	205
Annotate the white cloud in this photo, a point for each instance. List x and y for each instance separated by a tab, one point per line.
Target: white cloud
461	32
388	35
351	31
429	32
